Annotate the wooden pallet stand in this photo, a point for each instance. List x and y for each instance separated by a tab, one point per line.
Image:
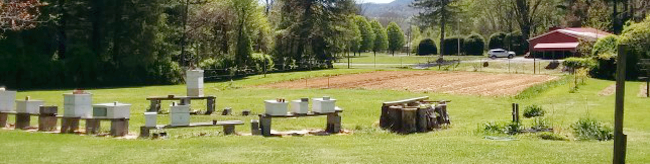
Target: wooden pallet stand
333	121
157	100
228	127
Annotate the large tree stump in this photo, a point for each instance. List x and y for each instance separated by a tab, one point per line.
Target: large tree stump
384	119
409	117
395	117
426	120
47	118
22	120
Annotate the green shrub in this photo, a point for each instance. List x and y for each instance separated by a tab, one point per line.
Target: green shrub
637	37
591	129
575	63
552	136
451	45
606	45
260	60
427	47
497	40
474	45
533	111
510	128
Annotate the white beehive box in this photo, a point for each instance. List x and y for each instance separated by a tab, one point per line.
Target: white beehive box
179	115
77	105
275	107
300	106
112	110
194	82
150	119
324	105
7	99
28	106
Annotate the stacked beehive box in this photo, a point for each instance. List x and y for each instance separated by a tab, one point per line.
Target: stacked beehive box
28	106
324	105
112	110
300	106
194	82
77	104
179	114
276	107
7	99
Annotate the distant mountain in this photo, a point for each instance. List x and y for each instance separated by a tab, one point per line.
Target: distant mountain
395	9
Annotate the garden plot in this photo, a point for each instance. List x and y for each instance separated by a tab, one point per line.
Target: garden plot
464	83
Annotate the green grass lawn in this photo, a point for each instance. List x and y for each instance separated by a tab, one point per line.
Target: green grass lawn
462	143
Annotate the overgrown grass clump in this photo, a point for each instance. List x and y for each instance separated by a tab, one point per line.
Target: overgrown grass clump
591	129
534	111
537	89
552	136
510	128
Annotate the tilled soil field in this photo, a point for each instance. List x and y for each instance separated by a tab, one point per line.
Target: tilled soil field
464	83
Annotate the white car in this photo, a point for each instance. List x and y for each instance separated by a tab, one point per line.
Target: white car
501	53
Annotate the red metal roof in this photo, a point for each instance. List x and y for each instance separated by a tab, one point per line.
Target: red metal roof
567	46
590	34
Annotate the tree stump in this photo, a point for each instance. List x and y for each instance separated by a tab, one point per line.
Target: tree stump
144	132
211	103
384	119
395	117
47	118
409	117
426	120
22	120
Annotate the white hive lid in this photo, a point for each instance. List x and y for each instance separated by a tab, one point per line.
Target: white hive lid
114	104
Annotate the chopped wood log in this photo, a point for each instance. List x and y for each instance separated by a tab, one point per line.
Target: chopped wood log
22	120
3	119
69	124
211	103
265	125
92	126
333	123
255	127
119	127
395	117
426	119
384	119
226	111
409	117
145	132
245	112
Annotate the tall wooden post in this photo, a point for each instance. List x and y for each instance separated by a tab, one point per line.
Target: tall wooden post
620	139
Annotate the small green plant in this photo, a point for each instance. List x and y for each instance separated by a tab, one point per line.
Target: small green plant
534	111
591	129
552	136
541	124
493	127
512	128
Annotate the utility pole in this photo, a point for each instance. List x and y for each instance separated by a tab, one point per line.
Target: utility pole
620	139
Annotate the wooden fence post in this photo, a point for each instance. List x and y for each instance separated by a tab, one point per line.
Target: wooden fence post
619	137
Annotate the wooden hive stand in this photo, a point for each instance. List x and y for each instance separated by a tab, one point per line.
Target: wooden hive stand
333	121
155	102
228	127
119	126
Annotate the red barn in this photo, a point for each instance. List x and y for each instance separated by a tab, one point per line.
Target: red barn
561	43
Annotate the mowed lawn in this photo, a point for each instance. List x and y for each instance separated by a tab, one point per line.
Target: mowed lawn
461	143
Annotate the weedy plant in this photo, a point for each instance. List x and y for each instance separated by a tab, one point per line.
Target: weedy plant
591	129
541	124
534	111
552	136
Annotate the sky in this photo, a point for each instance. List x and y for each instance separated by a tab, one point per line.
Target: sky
376	1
